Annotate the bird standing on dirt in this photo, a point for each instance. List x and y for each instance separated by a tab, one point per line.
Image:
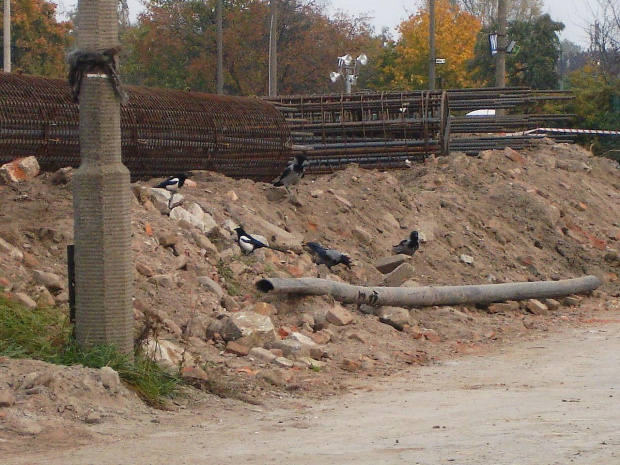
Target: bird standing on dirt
328	257
249	243
408	246
293	173
172	185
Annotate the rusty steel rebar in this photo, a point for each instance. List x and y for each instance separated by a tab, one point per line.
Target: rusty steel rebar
163	131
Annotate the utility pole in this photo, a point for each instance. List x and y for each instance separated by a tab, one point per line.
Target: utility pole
431	57
500	70
219	79
7	36
273	49
101	190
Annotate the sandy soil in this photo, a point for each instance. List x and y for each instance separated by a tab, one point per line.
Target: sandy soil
551	400
460	384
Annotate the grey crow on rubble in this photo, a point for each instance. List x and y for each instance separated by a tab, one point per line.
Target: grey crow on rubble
293	173
172	185
328	257
408	246
249	244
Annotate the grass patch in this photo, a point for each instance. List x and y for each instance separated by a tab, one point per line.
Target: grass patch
45	334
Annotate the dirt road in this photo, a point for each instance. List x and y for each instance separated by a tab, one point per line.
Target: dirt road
555	400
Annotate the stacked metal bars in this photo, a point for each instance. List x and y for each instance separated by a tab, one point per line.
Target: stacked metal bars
373	130
385	129
163	131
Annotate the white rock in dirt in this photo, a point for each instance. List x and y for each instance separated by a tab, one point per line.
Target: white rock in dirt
195	216
18	170
255	328
7	397
394	316
262	355
303	339
165	353
50	280
211	285
25	300
401	274
10	250
467	259
339	316
110	379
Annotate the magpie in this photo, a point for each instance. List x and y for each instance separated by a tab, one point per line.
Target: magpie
293	173
328	257
172	185
408	246
249	243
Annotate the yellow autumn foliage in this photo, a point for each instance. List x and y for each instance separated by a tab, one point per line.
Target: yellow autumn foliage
455	37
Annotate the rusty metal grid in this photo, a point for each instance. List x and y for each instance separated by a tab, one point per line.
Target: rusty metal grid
163	131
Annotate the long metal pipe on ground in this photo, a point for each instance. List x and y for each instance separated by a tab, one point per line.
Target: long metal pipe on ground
428	296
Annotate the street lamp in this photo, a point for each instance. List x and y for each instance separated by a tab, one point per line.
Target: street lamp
348	69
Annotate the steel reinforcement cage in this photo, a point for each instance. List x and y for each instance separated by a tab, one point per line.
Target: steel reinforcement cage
163	131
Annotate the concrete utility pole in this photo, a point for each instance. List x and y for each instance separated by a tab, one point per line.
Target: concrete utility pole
7	36
101	196
431	55
273	49
500	70
220	50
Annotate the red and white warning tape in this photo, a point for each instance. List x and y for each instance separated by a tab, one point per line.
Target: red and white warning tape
573	131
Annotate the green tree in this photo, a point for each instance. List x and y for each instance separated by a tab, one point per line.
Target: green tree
535	65
39	42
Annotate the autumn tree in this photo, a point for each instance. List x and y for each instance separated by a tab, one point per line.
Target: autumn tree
39	42
174	46
455	36
536	63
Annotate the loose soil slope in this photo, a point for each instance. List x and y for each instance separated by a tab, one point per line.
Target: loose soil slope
549	213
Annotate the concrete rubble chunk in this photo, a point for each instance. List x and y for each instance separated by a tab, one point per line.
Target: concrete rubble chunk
10	250
211	285
262	355
25	300
390	263
240	350
19	170
401	274
165	353
255	329
62	176
339	316
50	280
362	235
394	316
7	398
110	379
536	307
164	280
196	216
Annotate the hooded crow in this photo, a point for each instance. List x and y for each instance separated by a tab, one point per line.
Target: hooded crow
408	246
328	257
293	173
249	243
172	185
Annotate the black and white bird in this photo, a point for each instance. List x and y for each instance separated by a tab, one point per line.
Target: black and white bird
172	185
328	257
293	173
408	246
250	243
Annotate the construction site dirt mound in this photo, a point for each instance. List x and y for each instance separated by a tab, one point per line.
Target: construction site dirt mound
550	213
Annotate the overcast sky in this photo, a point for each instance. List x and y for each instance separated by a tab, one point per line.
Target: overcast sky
575	14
